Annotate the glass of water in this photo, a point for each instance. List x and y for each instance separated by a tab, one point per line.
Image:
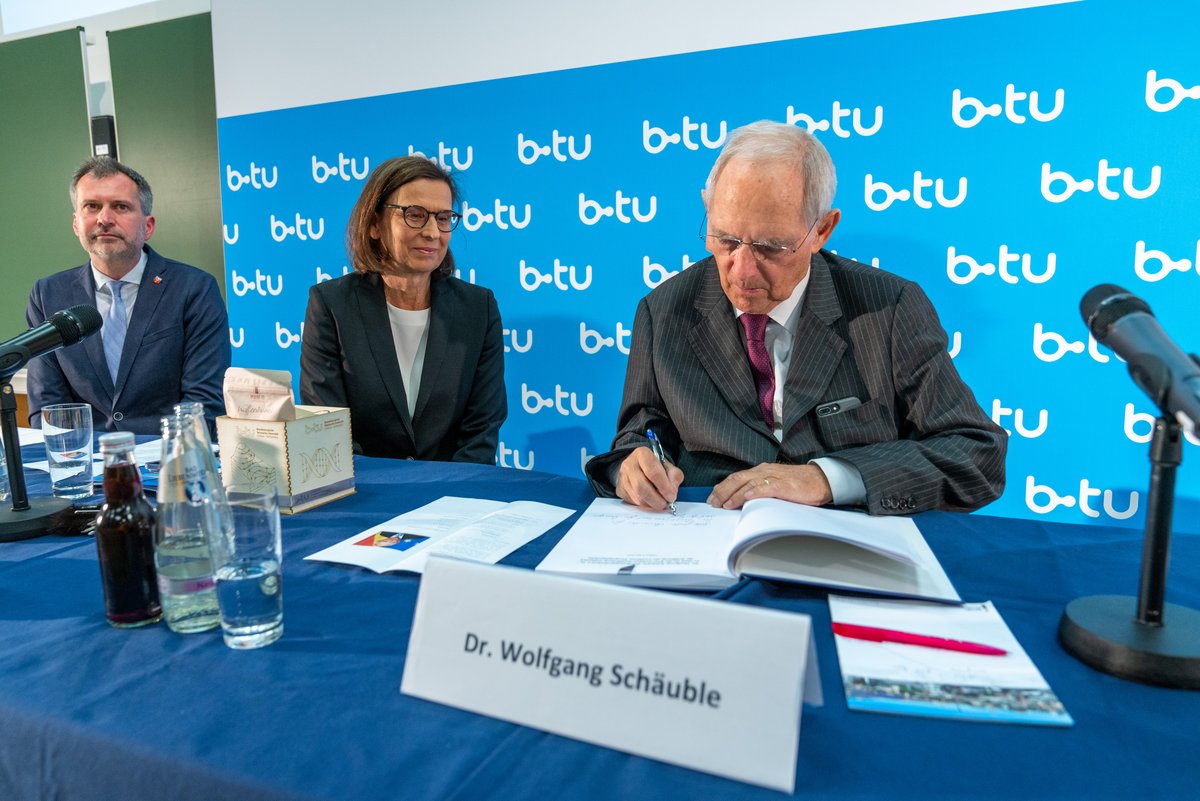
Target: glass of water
247	566
67	428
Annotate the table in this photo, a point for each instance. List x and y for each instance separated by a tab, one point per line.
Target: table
88	712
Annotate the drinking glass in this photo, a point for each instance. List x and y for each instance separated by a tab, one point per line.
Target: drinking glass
67	428
247	563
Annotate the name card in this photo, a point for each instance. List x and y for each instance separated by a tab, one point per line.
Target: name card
705	684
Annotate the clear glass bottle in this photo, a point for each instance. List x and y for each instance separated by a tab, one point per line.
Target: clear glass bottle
125	538
189	512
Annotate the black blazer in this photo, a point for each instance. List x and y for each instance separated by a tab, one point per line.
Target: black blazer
348	358
919	439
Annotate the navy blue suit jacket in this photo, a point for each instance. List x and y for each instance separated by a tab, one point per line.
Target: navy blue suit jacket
176	348
348	358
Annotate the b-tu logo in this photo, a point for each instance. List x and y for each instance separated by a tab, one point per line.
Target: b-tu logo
468	276
656	140
509	335
239	340
502	458
230	240
346	169
1101	184
323	276
257	177
303	229
836	116
261	284
503	216
916	194
561	275
974	269
1087	493
1135	419
1000	413
1014	103
560	147
565	403
591	212
447	157
591	342
1062	346
1166	265
284	338
1154	85
654	274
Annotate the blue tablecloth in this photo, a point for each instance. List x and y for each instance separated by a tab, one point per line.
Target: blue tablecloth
89	712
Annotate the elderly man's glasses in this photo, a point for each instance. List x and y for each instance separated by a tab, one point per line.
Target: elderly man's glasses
417	216
726	244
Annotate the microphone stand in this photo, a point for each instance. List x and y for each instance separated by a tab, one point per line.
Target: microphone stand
1127	637
27	518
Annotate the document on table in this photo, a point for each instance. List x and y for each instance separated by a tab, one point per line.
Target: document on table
703	548
908	679
464	528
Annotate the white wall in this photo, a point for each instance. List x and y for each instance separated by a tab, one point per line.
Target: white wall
275	54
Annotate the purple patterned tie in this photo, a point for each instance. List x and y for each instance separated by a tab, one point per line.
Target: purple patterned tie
760	363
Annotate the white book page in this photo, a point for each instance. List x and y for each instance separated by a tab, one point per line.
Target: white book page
763	517
615	541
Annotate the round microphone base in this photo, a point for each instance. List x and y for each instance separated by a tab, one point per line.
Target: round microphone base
33	522
1103	631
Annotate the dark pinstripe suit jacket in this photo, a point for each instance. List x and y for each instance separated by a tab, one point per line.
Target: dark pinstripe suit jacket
919	439
348	358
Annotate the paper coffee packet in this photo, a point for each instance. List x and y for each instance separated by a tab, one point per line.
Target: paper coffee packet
259	394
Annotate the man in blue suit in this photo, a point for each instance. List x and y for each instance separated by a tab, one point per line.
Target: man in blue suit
165	337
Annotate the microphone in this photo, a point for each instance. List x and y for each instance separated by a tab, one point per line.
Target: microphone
1124	322
64	328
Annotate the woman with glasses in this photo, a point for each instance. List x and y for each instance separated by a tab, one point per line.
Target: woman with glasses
415	353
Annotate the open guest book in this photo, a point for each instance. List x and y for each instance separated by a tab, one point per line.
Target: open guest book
702	548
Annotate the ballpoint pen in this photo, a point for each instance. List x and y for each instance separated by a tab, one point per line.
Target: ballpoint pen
657	449
873	634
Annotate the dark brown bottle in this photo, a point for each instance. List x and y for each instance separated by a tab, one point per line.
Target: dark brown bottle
125	539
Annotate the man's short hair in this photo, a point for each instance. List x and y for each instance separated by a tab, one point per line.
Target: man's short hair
767	141
103	167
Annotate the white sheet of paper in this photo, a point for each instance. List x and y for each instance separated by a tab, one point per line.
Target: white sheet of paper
871	669
467	528
30	436
612	535
712	686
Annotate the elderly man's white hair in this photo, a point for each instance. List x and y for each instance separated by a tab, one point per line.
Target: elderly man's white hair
765	141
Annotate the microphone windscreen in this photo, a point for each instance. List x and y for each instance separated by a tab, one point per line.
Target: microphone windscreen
1103	305
83	319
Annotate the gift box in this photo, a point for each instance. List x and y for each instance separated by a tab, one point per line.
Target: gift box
308	460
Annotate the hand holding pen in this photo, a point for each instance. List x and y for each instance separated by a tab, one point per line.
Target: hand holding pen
645	478
657	448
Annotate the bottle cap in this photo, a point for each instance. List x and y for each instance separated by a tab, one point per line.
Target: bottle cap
116	441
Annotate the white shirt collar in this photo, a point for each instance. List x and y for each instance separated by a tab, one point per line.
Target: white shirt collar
785	313
134	276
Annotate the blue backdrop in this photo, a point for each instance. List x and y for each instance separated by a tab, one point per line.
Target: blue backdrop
1006	162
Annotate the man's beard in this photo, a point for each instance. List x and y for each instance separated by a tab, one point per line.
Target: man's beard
111	248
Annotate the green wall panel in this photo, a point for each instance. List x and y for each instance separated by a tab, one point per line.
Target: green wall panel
44	136
166	116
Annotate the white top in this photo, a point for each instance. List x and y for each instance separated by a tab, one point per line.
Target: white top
410	333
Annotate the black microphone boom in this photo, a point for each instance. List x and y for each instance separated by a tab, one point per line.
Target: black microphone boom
63	328
1124	322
